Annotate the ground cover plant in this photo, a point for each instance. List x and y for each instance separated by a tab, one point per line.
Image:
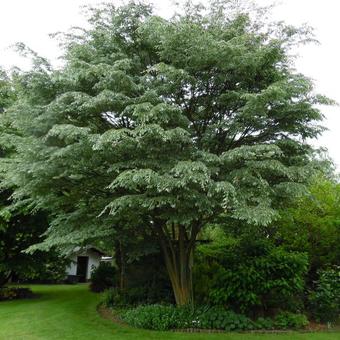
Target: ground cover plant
165	317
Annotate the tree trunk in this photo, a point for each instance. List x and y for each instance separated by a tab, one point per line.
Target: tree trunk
181	281
178	261
121	263
4	278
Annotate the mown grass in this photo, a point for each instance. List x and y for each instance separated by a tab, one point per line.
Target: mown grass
69	312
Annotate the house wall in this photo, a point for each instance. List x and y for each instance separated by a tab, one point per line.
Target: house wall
72	268
94	260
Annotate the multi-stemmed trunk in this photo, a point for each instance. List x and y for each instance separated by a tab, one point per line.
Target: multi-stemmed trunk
178	248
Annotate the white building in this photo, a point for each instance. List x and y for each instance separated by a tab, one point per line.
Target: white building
84	260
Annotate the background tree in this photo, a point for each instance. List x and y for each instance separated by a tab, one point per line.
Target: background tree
162	125
7	92
20	229
313	225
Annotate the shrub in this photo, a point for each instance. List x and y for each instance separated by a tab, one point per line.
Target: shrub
15	293
325	299
271	277
103	277
132	296
287	320
115	297
264	323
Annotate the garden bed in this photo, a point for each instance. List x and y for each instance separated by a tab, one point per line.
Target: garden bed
312	327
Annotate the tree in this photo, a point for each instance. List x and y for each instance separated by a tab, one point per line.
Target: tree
18	231
18	228
161	126
312	225
7	93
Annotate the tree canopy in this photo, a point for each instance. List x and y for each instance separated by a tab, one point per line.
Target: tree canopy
160	126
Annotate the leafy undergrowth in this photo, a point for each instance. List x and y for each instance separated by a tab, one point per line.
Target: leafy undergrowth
204	319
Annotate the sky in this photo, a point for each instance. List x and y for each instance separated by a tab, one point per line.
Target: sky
32	21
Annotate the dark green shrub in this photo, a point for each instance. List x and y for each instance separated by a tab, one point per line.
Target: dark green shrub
147	277
103	277
116	297
325	299
250	276
110	298
7	293
287	320
264	323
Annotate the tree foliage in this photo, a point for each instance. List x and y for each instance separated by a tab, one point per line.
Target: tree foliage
18	231
161	126
312	225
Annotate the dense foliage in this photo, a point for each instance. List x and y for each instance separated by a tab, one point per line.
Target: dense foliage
19	230
325	299
7	92
312	225
250	275
103	277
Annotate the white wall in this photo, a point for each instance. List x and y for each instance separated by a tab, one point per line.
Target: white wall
93	262
72	268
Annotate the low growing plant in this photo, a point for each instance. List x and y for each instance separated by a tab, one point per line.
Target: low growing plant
165	317
116	297
287	320
158	317
7	293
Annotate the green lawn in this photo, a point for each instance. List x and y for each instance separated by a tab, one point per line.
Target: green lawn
69	312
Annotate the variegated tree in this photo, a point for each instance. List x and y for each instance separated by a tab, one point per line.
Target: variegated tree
159	126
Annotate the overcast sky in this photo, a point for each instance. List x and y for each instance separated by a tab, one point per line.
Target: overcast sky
31	22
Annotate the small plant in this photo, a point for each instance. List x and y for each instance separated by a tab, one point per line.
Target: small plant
220	318
15	293
116	297
264	323
287	320
103	277
325	299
